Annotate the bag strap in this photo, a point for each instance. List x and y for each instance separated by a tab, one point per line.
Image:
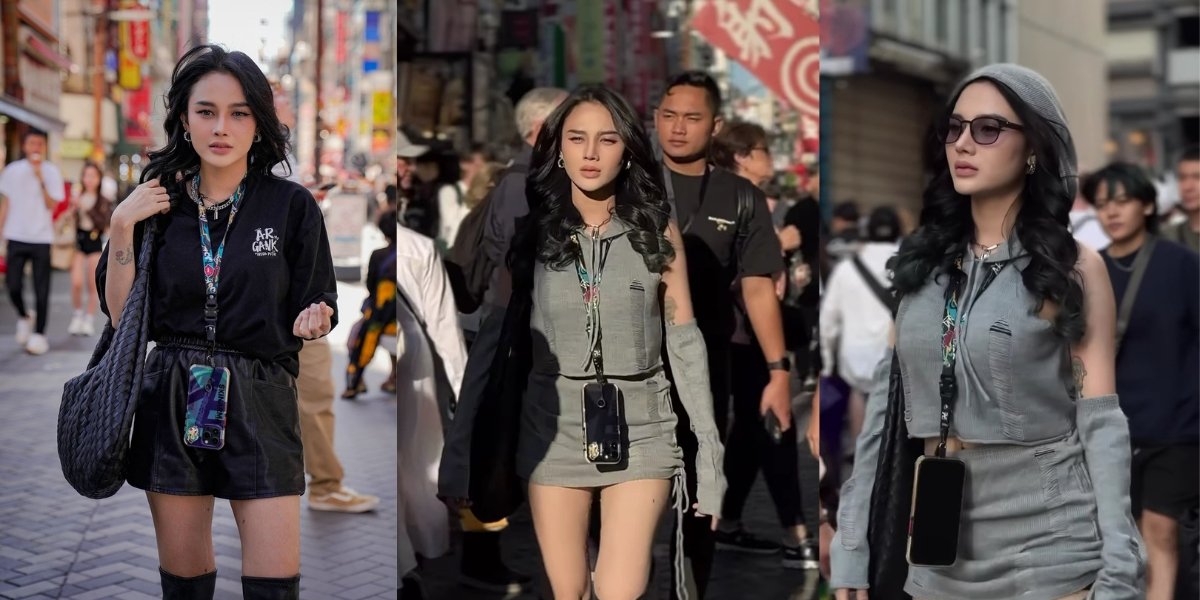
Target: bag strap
745	211
1135	282
880	292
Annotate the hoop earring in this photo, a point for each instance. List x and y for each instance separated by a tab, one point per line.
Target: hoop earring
1032	162
560	163
257	137
187	136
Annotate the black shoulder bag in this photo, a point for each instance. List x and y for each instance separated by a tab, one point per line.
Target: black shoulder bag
96	414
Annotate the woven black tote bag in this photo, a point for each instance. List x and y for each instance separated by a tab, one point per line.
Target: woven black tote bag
96	414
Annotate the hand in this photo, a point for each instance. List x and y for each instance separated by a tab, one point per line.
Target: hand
813	435
146	200
825	541
313	322
776	399
715	519
848	594
789	238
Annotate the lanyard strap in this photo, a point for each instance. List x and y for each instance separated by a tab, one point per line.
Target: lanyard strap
670	185
948	382
589	287
212	262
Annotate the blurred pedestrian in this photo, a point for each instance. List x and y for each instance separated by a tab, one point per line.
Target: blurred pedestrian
274	290
1157	362
856	312
452	197
742	148
92	211
30	188
1187	177
1007	320
413	214
729	236
378	314
1085	224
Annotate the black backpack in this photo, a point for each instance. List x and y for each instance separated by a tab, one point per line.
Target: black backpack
469	267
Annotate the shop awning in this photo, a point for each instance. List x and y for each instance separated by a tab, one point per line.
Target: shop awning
44	53
11	107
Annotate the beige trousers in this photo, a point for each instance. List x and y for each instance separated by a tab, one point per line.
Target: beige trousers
315	389
1080	595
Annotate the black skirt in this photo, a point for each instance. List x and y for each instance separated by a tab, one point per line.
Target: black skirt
262	456
88	242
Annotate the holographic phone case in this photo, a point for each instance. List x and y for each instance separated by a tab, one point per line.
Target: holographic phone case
208	398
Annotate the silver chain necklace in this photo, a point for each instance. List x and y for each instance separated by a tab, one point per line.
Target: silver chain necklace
198	197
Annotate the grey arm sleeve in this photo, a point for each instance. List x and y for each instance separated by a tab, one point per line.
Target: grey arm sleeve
849	553
689	364
1104	432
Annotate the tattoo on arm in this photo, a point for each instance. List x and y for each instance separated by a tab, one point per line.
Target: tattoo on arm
669	309
124	256
1080	372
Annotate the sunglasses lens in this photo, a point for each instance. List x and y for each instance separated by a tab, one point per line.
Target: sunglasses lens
985	130
952	131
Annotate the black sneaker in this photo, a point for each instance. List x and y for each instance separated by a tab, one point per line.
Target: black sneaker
805	556
744	541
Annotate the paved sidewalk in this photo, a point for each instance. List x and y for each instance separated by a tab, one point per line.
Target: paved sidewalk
57	544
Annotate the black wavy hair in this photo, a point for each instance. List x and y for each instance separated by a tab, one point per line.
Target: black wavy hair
641	198
1041	223
1133	180
178	156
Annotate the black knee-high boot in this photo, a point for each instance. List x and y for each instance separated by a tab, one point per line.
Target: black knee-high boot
200	587
271	588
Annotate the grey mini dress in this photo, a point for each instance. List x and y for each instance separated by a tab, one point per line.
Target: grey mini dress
1029	526
551	448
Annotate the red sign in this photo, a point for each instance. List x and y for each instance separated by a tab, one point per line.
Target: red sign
776	40
137	116
139	39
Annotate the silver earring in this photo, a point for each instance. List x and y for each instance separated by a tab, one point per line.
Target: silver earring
257	137
187	136
1032	162
561	164
628	164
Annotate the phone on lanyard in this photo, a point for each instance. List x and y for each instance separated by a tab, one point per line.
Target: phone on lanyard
208	400
602	423
933	525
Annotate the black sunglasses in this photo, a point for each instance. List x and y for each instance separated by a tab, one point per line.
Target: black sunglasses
984	130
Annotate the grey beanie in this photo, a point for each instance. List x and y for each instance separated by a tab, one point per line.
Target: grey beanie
1037	92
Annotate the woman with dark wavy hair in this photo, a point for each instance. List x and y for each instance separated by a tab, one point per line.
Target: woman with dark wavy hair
1005	342
241	275
605	268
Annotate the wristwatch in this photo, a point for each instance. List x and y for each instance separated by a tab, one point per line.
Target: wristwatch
783	364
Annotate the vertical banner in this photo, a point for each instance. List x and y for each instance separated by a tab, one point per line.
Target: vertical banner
137	116
777	41
589	39
129	69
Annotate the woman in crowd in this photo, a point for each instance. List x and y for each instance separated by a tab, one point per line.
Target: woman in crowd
92	212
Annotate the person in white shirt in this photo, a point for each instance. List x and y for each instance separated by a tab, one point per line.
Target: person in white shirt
29	190
1085	225
452	197
855	321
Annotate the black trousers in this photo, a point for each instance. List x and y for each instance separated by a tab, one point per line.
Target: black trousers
749	447
38	255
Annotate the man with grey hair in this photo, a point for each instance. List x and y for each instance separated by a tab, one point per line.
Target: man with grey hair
481	565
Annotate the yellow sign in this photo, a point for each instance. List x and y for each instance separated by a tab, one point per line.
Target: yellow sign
382	111
129	70
78	149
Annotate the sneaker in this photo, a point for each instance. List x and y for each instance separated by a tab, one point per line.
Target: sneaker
345	500
37	344
87	327
497	579
24	330
805	556
741	540
76	323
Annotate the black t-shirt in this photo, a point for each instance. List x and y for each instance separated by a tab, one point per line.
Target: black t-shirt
710	241
1158	364
276	263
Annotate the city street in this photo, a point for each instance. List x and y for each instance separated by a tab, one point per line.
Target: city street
57	544
735	575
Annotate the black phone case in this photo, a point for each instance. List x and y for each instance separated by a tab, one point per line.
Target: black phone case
938	488
602	414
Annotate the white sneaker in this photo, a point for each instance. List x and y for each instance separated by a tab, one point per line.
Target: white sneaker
344	500
76	324
24	329
87	326
37	344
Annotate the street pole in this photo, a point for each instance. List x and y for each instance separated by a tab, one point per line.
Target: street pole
100	42
319	59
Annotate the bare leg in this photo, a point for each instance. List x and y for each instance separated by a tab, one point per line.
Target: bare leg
93	260
77	283
857	411
1162	548
628	519
560	519
270	532
183	529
